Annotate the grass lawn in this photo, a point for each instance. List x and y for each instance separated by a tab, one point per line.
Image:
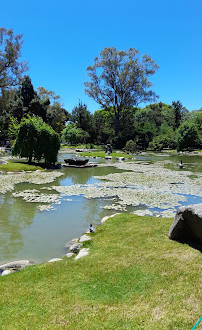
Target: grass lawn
133	278
14	166
102	154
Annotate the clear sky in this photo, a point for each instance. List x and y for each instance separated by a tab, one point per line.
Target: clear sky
62	38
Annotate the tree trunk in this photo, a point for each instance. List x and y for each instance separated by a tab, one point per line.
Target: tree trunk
29	160
117	121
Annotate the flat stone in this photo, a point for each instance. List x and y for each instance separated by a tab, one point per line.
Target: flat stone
69	255
54	259
16	264
6	272
73	241
108	217
108	157
82	253
75	247
84	238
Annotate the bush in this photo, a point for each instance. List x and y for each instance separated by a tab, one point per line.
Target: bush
187	136
163	141
74	135
130	146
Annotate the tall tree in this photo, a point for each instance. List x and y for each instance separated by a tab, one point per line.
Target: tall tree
180	112
57	116
27	102
11	69
82	117
120	80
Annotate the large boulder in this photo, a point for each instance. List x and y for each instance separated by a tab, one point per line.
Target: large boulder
187	225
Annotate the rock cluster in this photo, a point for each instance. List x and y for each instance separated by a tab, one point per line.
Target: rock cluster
14	266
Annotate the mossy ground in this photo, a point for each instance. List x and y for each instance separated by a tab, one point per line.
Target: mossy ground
133	278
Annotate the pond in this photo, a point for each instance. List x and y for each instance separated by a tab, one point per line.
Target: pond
41	212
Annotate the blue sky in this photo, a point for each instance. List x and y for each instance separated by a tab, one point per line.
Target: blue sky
62	38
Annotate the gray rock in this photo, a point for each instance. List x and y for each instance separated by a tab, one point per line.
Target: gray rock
6	272
16	265
187	225
3	162
75	247
54	259
69	255
82	253
73	241
84	238
108	157
108	217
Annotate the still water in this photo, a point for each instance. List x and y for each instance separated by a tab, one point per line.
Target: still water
28	233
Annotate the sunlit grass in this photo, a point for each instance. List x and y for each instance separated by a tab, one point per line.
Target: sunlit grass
102	154
133	278
19	166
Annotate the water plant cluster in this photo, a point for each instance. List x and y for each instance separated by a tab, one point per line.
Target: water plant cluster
9	180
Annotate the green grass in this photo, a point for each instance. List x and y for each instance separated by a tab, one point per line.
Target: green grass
85	146
102	154
19	166
133	278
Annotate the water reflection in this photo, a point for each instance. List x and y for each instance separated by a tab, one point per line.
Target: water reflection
15	215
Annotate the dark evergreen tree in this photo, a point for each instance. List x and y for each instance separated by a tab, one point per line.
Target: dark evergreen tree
27	102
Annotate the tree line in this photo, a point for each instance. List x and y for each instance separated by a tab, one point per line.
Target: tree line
119	81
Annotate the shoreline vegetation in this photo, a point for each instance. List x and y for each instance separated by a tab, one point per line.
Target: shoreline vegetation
17	165
133	278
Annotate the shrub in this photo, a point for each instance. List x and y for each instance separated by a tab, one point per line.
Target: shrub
130	146
163	141
187	136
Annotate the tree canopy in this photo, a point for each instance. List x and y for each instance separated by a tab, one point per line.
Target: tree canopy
74	135
36	139
120	79
11	69
26	101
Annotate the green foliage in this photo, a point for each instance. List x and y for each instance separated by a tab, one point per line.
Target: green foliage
25	101
197	118
56	115
163	141
74	135
5	114
120	80
187	136
13	128
180	112
82	117
102	127
10	51
36	139
130	146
